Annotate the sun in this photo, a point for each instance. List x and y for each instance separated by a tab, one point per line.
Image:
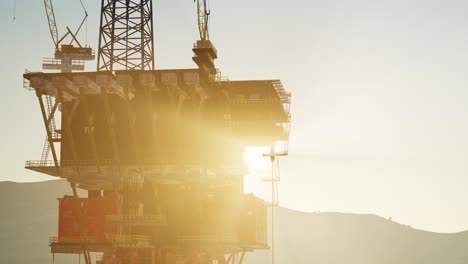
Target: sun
254	158
259	167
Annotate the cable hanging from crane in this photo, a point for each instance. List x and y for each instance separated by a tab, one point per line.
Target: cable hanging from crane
209	13
53	24
14	10
66	54
85	20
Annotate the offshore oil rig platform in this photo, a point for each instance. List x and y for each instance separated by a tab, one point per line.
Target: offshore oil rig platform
159	152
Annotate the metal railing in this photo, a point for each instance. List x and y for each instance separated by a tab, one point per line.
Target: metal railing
255	122
217	237
205	45
137	220
58	62
67	163
163	167
217	77
39	163
74	240
164	164
255	101
26	82
132	240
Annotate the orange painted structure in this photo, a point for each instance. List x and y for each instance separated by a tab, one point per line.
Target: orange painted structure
95	210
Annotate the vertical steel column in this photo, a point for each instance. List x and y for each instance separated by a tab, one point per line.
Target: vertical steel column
133	134
148	89
242	257
110	129
88	123
70	136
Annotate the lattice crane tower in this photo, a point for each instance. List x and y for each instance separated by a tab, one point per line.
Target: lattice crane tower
126	35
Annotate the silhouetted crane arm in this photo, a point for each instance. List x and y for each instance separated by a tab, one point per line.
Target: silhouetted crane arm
51	20
203	14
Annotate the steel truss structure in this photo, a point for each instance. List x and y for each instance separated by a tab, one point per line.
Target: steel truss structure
126	35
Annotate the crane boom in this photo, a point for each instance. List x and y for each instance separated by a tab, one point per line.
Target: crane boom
51	20
205	52
203	14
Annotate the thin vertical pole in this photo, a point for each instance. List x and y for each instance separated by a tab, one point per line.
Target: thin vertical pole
273	179
272	216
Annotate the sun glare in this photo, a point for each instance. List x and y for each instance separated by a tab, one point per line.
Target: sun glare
254	159
259	167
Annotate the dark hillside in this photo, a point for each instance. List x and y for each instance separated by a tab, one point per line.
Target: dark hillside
29	217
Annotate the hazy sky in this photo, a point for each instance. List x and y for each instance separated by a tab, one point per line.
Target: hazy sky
379	94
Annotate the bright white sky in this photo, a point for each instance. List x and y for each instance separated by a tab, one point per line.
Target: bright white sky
379	95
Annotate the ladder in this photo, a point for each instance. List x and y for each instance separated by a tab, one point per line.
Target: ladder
45	152
52	127
52	121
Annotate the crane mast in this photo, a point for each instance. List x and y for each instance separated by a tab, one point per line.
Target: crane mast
126	35
204	50
203	15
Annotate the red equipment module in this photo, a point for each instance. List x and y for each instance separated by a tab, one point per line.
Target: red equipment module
94	211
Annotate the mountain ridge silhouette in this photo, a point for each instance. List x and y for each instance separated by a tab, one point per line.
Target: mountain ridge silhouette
29	218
